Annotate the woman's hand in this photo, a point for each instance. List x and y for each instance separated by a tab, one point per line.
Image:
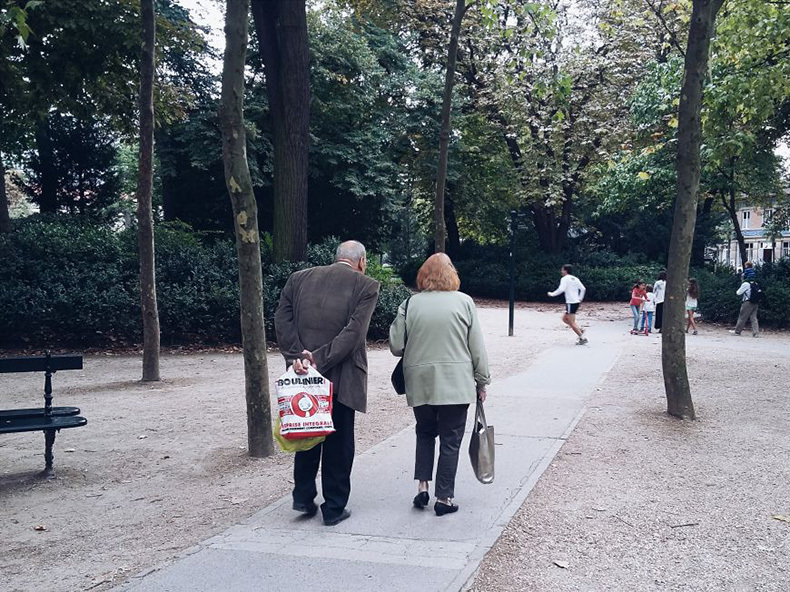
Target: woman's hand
481	394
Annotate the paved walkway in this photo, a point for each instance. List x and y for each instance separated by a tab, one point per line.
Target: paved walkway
387	545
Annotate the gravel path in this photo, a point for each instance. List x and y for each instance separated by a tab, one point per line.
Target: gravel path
638	501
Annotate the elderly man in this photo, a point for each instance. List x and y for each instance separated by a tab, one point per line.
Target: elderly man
323	319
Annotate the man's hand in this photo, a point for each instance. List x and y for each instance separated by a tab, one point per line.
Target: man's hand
307	358
302	365
481	394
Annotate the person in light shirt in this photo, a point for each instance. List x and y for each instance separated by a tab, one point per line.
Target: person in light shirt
660	290
749	305
574	292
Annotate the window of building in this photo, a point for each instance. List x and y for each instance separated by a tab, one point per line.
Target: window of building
786	249
746	217
768	216
750	252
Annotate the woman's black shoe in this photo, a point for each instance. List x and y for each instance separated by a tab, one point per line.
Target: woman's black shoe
442	509
421	500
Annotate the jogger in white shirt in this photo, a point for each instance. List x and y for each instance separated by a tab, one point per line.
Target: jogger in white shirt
574	292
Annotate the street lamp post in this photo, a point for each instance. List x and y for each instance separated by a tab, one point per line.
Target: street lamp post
513	230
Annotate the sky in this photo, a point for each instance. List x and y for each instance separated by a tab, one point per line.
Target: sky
209	13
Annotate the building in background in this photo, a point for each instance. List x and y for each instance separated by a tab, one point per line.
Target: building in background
764	242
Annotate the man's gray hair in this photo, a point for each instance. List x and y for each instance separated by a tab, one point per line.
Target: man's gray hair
353	251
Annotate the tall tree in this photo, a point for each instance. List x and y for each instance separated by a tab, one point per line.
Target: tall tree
245	213
440	228
673	342
145	190
281	26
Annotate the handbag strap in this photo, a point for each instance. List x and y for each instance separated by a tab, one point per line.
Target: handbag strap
480	415
406	324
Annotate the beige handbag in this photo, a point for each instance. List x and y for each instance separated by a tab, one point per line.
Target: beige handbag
481	447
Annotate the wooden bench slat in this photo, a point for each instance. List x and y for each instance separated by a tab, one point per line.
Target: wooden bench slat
37	412
41	363
35	424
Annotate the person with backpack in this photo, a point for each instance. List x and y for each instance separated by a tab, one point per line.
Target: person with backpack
752	293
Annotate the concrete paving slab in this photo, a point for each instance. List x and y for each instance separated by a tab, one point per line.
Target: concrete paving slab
229	570
387	544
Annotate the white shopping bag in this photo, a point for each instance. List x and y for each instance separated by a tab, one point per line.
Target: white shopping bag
305	405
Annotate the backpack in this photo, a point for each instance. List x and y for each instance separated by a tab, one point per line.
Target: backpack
756	293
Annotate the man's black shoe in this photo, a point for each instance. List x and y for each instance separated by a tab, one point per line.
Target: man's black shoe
308	510
337	520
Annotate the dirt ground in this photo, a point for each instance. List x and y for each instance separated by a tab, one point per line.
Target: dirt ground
161	467
636	501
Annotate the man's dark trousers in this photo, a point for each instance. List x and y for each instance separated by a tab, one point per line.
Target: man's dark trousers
336	456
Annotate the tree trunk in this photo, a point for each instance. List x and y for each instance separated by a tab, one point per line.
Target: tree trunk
145	189
282	33
245	215
440	231
5	216
730	205
451	221
703	224
673	343
48	200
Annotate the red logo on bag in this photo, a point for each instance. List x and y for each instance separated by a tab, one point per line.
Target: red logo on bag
304	405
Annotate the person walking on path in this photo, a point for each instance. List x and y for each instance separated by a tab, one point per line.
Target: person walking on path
445	367
751	293
692	301
574	292
660	290
638	297
648	309
322	320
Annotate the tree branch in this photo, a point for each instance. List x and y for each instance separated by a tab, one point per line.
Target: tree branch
656	10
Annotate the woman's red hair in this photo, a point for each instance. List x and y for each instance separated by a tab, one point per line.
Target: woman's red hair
438	274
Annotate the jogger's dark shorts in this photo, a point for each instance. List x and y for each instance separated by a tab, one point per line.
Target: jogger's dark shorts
572	308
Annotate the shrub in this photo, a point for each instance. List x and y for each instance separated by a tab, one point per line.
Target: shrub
484	273
390	298
719	303
70	284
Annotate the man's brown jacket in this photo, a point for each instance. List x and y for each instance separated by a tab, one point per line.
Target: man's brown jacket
327	311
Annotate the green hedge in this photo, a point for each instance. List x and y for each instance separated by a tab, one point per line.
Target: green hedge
719	303
68	284
484	273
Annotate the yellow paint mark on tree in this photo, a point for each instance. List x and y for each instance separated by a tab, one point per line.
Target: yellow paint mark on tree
241	219
248	236
234	186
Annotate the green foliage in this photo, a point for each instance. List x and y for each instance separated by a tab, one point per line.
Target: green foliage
14	17
484	272
84	155
72	284
390	298
609	277
718	302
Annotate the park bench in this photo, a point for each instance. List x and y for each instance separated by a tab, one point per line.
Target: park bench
47	419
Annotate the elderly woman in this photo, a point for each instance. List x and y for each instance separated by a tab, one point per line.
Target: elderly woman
445	367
